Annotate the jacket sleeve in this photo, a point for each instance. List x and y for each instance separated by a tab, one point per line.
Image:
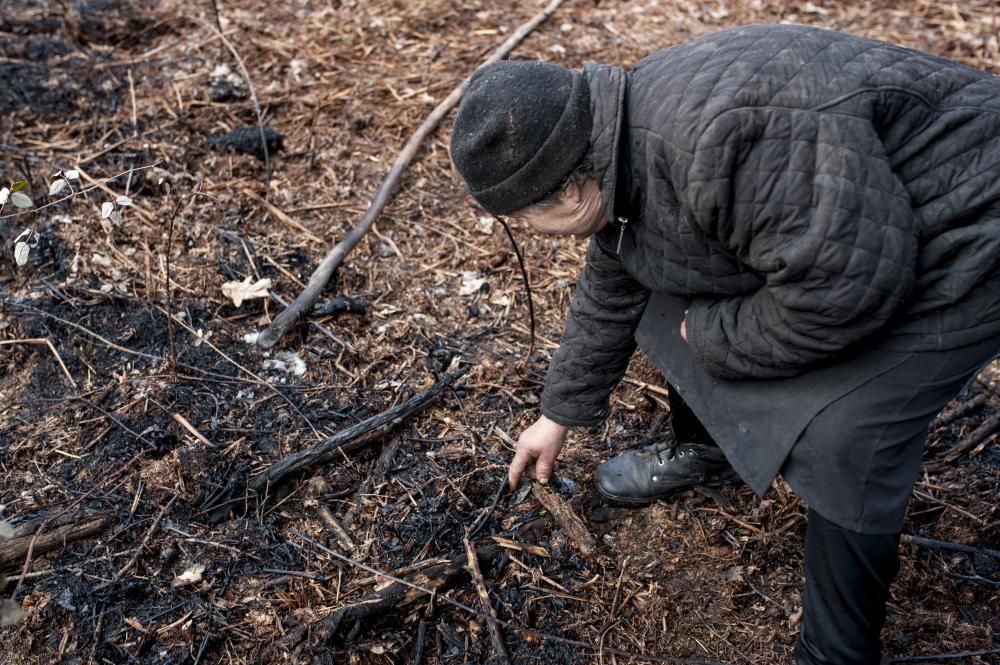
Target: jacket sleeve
809	200
597	343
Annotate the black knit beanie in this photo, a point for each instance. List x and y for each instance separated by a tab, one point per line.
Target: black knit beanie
521	129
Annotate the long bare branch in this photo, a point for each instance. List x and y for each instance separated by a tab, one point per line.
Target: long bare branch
317	282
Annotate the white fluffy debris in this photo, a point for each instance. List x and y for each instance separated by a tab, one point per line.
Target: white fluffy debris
288	362
246	290
192	575
251	337
471	283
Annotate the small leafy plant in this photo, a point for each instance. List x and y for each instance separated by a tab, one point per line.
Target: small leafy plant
111	214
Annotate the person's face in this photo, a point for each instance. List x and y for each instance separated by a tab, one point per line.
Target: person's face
579	212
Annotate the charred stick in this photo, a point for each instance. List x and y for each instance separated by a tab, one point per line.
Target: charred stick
948	547
976	579
418	653
336	256
16	549
354	437
484	599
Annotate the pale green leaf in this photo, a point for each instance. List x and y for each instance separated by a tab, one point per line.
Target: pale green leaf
21	200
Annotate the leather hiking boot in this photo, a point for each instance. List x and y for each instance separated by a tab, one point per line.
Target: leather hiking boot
652	472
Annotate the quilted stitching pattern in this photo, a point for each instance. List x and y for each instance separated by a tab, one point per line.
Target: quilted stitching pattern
806	189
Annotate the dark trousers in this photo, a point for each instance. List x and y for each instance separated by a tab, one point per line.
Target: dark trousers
847	585
847	577
684	424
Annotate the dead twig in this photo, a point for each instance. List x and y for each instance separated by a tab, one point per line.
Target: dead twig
336	256
183	422
48	343
339	531
353	437
282	216
484	599
642	385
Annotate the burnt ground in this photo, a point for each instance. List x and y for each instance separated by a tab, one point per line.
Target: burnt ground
173	413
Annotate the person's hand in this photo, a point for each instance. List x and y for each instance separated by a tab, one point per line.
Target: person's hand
537	449
684	332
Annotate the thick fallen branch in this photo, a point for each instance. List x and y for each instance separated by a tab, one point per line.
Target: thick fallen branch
15	551
354	437
319	279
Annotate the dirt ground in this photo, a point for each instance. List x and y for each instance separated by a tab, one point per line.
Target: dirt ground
173	412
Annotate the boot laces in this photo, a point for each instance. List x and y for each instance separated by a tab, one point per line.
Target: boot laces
665	451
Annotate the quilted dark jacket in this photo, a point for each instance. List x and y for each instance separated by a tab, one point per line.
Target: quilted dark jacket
808	191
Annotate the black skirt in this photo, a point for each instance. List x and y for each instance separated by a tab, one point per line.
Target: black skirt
847	436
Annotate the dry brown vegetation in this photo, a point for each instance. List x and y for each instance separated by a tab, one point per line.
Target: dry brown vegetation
155	448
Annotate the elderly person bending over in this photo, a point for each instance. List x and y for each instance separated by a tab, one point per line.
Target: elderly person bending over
801	228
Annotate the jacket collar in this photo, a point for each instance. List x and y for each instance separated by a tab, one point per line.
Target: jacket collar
607	102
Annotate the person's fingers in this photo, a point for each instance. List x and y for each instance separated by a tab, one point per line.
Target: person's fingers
544	465
517	467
